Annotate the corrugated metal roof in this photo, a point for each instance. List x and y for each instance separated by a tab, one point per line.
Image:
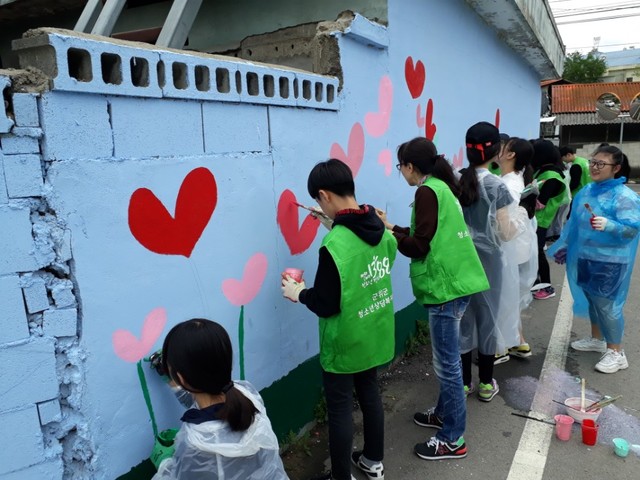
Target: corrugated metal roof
590	118
628	56
581	97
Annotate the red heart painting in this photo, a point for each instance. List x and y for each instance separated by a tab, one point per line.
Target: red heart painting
415	77
497	123
154	227
355	150
430	127
298	239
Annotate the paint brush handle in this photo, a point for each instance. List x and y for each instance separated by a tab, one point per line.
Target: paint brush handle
603	403
565	405
589	209
543	420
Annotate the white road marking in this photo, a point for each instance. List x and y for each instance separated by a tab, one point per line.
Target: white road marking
531	457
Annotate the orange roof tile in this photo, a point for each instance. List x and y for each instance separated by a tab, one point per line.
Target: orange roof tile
581	97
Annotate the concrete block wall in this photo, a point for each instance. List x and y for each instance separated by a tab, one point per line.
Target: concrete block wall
38	307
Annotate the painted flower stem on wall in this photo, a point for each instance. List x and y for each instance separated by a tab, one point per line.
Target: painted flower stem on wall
241	342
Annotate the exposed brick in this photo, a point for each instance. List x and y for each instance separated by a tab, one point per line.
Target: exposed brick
35	293
23	175
63	295
17	144
13	318
16	242
60	323
28	374
49	411
25	109
25	446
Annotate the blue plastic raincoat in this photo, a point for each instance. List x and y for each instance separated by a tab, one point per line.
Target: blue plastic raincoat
610	253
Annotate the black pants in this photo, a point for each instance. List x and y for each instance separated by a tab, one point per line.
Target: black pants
338	389
544	274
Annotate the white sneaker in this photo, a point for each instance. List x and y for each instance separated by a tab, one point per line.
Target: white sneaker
612	361
540	286
590	344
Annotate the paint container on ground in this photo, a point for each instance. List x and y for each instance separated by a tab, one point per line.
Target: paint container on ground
589	431
294	273
620	447
564	423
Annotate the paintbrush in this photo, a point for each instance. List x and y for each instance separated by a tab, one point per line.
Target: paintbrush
589	209
321	214
565	405
543	420
602	403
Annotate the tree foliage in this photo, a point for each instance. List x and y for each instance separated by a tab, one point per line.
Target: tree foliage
584	68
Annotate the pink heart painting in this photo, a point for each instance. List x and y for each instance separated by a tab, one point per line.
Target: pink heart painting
414	76
355	149
458	159
241	292
385	159
129	348
420	120
377	123
430	127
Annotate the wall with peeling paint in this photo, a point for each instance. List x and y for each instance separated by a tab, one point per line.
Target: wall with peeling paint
80	282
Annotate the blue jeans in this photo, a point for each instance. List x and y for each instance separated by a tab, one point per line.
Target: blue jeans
444	324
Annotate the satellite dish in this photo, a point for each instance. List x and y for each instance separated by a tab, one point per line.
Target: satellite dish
634	107
608	106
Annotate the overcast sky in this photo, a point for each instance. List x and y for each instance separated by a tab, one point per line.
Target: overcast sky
614	33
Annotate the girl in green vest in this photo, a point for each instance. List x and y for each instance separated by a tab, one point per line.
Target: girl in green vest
489	212
352	295
445	270
549	173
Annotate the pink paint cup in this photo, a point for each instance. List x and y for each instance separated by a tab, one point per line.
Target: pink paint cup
589	432
564	423
294	273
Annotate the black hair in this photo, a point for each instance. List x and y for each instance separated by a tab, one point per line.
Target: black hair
545	153
332	175
200	351
469	185
567	150
618	157
523	151
423	155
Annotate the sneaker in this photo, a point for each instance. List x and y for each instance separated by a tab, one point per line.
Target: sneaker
544	293
612	361
375	472
486	391
327	476
468	390
590	344
428	419
540	286
501	358
523	351
436	449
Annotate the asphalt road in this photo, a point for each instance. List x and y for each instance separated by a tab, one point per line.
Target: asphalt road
503	446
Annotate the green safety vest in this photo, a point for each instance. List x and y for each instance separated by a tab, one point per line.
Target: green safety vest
452	268
547	214
585	177
362	335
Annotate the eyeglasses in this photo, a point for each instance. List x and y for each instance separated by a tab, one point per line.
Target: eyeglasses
598	165
399	166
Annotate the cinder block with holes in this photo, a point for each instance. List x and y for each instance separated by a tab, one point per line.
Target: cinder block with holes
235	128
77	126
138	134
13	318
16	241
28	375
24	446
23	174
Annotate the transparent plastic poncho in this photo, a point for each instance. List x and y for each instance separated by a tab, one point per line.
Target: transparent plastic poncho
612	251
488	323
211	450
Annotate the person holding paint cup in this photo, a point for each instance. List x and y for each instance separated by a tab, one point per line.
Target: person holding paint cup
599	245
352	295
227	433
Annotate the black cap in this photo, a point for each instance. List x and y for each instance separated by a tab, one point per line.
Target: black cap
504	137
482	135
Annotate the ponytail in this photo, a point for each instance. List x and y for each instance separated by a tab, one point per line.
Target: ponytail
238	411
442	170
469	187
523	150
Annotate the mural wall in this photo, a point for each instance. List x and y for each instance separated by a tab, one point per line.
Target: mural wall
127	207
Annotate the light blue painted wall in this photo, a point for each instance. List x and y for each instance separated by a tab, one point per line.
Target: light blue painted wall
98	148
